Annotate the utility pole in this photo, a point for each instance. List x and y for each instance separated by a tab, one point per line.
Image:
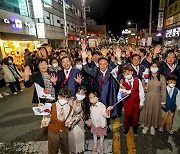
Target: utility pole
65	25
84	19
150	19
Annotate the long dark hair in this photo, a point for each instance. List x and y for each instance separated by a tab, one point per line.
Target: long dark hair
158	73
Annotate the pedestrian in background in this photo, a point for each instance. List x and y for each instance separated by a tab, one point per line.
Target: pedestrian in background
11	75
2	83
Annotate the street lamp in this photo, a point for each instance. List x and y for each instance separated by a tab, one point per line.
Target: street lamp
129	23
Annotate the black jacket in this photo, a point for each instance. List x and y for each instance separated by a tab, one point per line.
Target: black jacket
35	78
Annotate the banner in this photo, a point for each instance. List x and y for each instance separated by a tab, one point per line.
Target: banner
161	5
160	21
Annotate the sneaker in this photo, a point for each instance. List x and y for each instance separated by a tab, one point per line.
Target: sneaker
152	130
161	129
125	132
171	132
1	96
15	93
5	94
145	130
21	90
135	132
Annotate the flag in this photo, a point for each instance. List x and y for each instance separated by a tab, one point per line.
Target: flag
115	72
123	93
146	75
43	93
42	110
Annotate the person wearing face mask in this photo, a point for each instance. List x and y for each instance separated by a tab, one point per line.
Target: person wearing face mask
169	66
54	66
156	94
172	102
134	102
97	121
76	134
58	122
11	75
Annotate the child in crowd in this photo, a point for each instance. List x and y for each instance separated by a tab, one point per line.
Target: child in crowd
57	122
76	134
97	121
172	101
134	102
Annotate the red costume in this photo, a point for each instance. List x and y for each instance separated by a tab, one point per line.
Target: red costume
131	105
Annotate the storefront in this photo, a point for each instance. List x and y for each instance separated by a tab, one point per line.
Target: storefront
172	36
16	34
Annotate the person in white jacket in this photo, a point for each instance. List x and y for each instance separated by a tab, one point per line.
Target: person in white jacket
11	75
97	121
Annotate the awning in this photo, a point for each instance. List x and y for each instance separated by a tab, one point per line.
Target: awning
17	37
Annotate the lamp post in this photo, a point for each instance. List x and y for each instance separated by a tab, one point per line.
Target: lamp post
129	23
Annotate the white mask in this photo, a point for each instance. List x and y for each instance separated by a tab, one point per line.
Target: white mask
171	85
128	77
154	69
62	101
55	65
79	67
80	97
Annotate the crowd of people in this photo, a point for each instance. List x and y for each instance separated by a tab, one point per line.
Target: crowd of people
92	85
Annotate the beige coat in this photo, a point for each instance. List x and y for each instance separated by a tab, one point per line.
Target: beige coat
151	112
8	76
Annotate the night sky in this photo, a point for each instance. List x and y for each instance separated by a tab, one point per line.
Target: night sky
116	13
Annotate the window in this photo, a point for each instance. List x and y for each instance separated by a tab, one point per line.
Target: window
58	21
15	6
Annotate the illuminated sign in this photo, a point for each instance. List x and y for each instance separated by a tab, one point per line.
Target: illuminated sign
6	21
18	23
27	24
174	32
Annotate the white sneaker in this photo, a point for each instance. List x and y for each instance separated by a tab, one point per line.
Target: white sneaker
15	93
161	129
1	96
152	130
5	94
21	90
144	131
171	132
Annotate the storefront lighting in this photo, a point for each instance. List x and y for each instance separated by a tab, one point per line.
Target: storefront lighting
159	35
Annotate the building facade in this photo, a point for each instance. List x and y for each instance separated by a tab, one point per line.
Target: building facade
27	23
172	23
49	17
17	29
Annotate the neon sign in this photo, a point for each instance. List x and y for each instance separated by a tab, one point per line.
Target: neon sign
174	32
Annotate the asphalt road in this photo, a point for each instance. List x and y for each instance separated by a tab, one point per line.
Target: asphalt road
20	132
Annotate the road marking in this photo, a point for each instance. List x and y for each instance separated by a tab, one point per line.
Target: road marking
130	142
116	136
